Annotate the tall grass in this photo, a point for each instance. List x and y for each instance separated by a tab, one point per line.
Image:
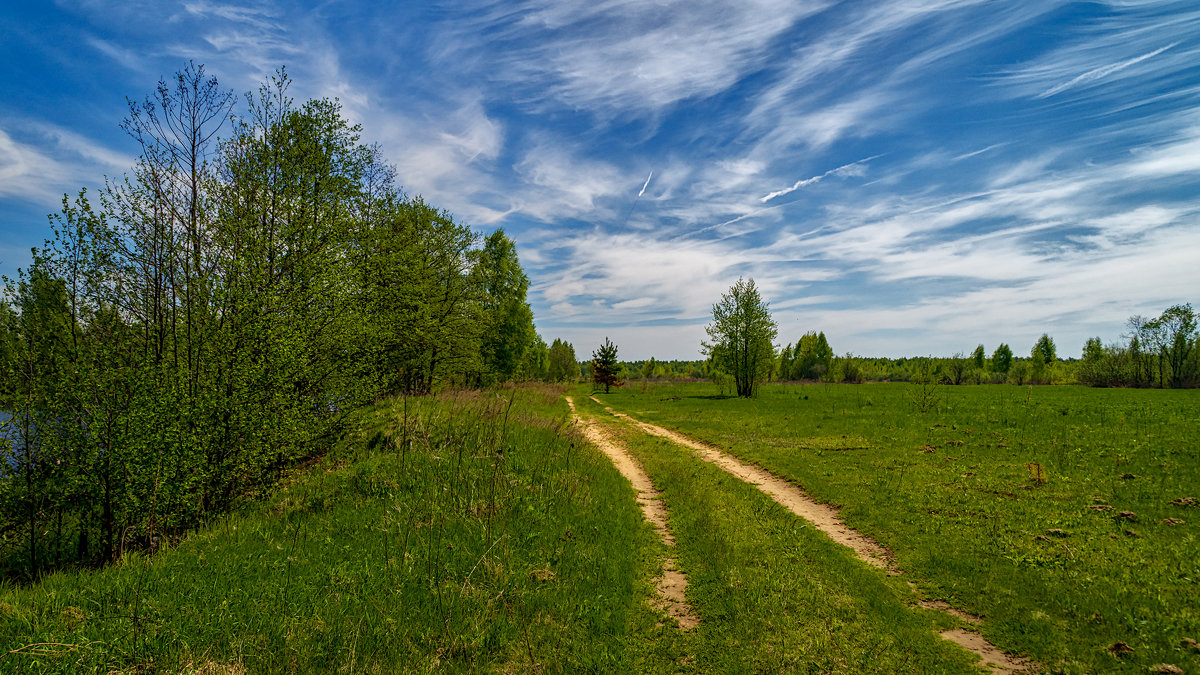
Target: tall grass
463	532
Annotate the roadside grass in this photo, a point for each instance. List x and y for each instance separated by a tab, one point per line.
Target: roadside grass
989	499
773	593
480	536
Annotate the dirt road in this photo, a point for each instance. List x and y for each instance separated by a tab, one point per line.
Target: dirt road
826	519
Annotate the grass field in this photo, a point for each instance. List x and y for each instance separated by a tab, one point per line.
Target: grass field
1003	501
483	534
773	594
489	540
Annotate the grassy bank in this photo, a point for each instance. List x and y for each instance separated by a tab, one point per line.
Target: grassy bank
482	536
1004	501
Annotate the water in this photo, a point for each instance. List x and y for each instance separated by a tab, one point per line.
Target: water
7	433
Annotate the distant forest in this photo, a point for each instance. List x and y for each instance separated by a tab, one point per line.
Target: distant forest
1162	351
203	323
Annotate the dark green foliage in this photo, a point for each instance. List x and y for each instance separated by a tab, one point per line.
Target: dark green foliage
957	369
605	366
535	366
1161	352
1044	350
562	366
418	290
979	358
848	369
810	359
1002	358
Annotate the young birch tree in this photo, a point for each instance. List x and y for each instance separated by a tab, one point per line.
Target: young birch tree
742	336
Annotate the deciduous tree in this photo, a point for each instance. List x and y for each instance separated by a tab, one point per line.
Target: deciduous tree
1002	358
508	321
563	365
742	336
978	358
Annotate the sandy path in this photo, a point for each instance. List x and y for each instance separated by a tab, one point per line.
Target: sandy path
791	497
826	518
672	585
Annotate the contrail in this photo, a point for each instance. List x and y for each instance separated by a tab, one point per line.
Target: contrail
817	179
1103	71
647	183
639	196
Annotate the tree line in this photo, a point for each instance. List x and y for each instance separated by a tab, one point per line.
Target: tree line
1162	351
188	334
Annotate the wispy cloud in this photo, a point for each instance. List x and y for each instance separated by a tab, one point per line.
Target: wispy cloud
616	58
1102	72
261	16
1038	158
976	153
561	184
128	58
1126	52
39	162
858	168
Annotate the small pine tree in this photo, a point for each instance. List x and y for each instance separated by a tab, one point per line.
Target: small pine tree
604	365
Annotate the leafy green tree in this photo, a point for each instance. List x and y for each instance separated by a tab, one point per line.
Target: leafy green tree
605	366
423	302
1019	372
1002	358
742	336
850	369
508	321
979	358
1091	365
1042	360
648	368
8	348
221	312
563	366
784	367
535	366
812	357
1142	340
1044	351
1176	341
957	368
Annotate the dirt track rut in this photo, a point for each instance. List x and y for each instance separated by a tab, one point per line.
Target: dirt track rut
826	519
671	586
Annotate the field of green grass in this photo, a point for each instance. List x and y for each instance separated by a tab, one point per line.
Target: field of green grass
486	538
1048	510
773	594
482	534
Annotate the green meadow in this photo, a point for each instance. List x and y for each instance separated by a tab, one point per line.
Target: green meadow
485	537
478	532
1062	515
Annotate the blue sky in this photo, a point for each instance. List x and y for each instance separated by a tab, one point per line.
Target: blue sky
911	177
